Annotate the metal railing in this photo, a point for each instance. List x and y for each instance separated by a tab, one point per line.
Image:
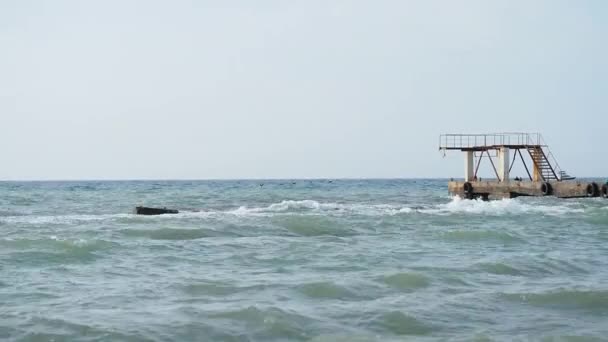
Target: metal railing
459	141
495	140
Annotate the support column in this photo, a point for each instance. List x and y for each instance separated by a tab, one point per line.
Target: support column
536	173
469	166
503	164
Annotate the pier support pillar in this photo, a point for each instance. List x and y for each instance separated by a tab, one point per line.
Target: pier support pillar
536	173
503	164
469	166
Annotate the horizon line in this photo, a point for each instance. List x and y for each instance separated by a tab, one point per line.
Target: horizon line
213	179
239	179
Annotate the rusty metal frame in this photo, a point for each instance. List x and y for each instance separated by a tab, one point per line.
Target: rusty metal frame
518	151
478	164
513	162
524	162
493	166
491	161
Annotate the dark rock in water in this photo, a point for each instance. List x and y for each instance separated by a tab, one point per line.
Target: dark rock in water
154	211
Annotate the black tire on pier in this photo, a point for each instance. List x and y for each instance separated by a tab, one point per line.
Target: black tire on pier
468	188
593	190
546	188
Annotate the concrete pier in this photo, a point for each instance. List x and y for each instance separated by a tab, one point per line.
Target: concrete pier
492	189
501	150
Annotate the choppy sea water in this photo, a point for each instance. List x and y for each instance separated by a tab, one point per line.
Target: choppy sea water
298	260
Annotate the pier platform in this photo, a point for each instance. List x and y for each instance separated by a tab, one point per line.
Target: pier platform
502	151
493	189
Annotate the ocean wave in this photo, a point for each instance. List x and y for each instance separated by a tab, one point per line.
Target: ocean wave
9	213
59	219
54	243
37	327
54	250
313	226
456	206
170	233
591	300
406	281
264	323
327	290
500	268
308	206
398	323
303	206
216	289
461	235
499	207
346	338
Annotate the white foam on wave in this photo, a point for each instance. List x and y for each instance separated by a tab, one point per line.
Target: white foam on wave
499	207
76	242
312	207
283	206
59	219
457	205
63	241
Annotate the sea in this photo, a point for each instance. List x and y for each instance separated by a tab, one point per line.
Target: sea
298	260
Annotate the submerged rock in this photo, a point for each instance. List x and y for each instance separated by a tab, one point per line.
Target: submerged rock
154	211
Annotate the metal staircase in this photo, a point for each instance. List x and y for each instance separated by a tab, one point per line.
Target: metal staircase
542	163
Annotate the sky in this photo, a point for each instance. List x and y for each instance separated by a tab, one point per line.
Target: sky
120	89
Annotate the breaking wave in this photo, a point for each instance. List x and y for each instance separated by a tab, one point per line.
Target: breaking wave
311	207
499	207
59	219
455	206
304	206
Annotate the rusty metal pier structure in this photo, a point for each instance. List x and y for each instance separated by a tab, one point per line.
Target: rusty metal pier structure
503	150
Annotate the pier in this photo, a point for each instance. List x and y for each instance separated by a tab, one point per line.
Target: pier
502	151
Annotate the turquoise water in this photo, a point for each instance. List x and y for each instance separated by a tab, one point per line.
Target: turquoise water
298	260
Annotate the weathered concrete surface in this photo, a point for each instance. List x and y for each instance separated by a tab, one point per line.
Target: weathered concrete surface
497	190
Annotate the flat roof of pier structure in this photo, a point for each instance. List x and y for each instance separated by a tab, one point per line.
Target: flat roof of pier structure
490	141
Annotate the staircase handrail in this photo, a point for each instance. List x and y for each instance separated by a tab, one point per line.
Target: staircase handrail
551	157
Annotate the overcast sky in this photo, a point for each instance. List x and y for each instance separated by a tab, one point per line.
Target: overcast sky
119	89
